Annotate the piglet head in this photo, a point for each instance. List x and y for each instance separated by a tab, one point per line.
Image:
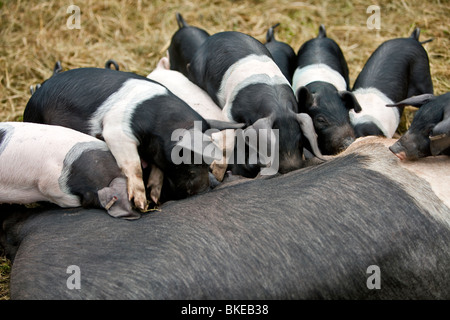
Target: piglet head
187	172
291	129
186	180
329	110
415	143
410	147
114	199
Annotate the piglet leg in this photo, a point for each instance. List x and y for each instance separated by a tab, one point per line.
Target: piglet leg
124	150
224	140
155	181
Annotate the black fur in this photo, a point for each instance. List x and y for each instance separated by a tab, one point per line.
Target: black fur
282	53
329	110
367	129
252	240
416	141
184	44
256	101
71	98
399	68
323	50
217	54
2	135
153	125
327	107
93	170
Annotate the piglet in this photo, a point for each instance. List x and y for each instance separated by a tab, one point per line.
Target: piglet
51	163
239	74
397	69
429	133
142	122
320	83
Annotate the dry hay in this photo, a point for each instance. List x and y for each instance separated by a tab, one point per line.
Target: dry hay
5	270
34	35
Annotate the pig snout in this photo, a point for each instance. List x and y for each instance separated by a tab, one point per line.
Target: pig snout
336	144
398	150
411	146
346	143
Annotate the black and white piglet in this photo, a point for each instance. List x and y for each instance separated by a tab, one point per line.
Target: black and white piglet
239	74
321	84
397	69
429	133
60	165
137	118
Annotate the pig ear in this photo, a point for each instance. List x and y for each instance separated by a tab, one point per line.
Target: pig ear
164	63
443	127
305	99
114	199
322	32
350	101
263	123
440	136
307	126
439	143
415	101
187	141
415	34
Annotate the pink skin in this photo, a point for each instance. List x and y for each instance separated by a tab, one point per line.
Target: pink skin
401	155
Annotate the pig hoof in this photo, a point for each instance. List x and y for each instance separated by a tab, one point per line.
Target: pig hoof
155	194
140	202
141	205
218	170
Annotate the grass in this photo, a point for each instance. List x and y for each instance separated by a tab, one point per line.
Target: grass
5	270
34	35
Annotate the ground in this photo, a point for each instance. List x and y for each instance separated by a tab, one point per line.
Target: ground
36	34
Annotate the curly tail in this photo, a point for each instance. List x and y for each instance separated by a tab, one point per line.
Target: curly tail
270	36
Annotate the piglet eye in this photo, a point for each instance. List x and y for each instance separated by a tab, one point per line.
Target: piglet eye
321	120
